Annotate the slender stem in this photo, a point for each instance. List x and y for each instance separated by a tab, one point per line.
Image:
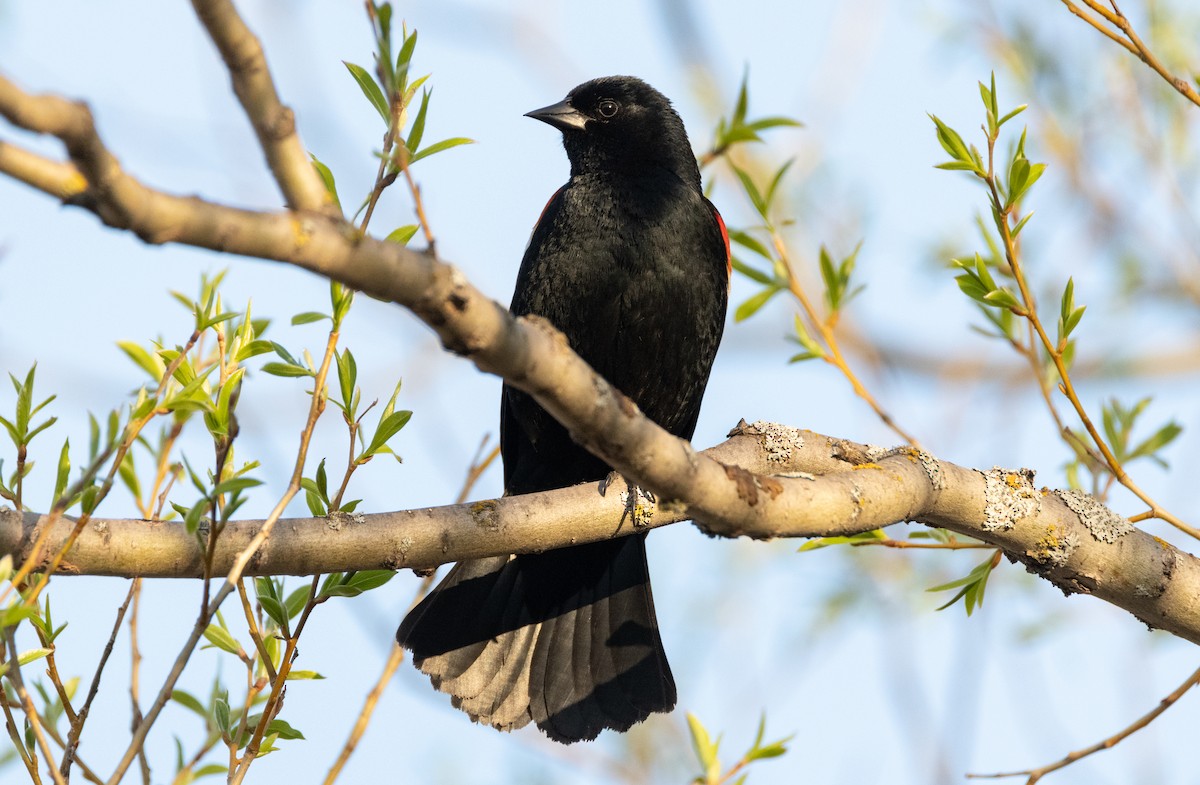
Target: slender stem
10	725
478	467
77	724
255	632
834	357
273	700
14	675
933	546
1105	744
135	662
1131	42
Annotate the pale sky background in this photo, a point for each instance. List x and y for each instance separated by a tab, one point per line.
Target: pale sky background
888	692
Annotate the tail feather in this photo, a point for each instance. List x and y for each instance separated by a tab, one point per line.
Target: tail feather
566	639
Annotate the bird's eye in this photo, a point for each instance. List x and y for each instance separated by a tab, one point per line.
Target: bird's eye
607	109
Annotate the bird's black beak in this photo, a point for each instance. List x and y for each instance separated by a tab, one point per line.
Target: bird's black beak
561	115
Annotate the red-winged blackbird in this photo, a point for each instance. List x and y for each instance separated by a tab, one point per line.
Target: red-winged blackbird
631	262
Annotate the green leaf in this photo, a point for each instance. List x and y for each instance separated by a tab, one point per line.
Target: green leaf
189	702
753	303
750	272
951	142
326	176
751	190
296	601
274	610
322	481
759	751
31	655
705	748
404	57
221	715
402	235
64	469
370	89
1011	115
1003	298
774	122
308	317
286	370
825	542
358	582
769	197
972	586
315	504
252	349
773	750
956	166
413	143
209	769
235	484
219	636
1016	230
347	373
748	241
812	348
1160	439
438	147
150	363
15	614
389	426
300	675
283	730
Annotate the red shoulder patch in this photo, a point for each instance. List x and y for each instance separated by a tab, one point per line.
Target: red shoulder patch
542	215
725	237
549	201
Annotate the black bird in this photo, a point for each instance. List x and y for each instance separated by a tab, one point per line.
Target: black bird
631	262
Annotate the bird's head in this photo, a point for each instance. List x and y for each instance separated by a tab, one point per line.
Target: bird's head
621	124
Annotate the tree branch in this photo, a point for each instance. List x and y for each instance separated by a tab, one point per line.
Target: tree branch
820	486
274	123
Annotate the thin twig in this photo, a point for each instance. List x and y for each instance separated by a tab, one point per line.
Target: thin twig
135	661
933	546
14	675
834	357
10	725
255	632
1106	744
389	669
478	466
1131	42
77	724
364	716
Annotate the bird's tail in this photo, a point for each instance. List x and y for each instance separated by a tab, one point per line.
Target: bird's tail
566	639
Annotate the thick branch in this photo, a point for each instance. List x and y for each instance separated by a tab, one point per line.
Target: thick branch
274	123
837	487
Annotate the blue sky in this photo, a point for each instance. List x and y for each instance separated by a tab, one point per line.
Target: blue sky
889	691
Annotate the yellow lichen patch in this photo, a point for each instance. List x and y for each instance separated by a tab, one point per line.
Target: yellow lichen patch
300	232
858	466
485	515
1014	480
1049	540
74	185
